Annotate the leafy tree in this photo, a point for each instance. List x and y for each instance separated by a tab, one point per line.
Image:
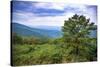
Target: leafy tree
76	32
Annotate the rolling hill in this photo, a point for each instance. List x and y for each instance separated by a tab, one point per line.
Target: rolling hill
41	31
30	31
58	28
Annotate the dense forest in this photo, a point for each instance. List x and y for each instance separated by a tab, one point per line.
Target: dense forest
75	45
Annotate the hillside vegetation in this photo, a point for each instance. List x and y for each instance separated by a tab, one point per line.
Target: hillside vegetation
75	45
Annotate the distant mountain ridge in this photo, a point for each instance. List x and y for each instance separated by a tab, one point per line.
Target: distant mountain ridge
36	32
41	31
48	27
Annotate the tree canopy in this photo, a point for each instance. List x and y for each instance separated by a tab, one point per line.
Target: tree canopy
77	26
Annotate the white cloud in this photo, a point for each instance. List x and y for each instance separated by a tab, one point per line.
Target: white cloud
33	20
50	5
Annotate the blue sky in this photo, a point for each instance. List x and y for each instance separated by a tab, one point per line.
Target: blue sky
49	13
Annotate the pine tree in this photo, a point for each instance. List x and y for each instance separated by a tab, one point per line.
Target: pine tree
76	32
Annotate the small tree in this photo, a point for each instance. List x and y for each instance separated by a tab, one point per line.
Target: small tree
76	32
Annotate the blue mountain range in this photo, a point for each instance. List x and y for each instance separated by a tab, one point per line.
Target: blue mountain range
38	31
41	31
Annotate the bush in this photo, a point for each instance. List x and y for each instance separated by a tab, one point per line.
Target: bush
39	54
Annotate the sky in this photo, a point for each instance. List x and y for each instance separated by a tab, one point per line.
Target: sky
49	13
